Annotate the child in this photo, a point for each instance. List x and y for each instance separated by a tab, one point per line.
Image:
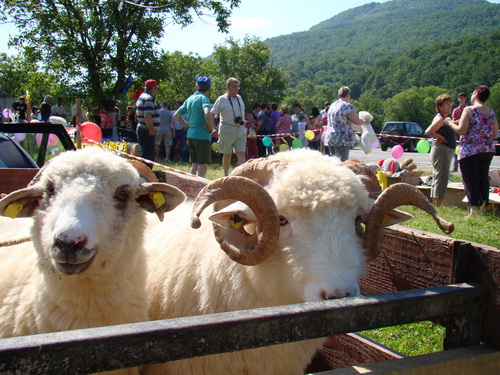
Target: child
251	126
302	129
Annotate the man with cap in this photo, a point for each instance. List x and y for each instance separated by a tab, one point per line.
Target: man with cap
148	119
20	107
200	126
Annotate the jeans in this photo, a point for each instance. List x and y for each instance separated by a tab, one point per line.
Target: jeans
147	143
181	137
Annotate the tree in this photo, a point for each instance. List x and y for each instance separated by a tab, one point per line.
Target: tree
180	76
250	62
415	104
17	76
96	44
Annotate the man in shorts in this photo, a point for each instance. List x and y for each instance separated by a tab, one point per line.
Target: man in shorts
165	132
232	131
200	126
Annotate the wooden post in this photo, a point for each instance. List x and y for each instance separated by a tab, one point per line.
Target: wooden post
77	123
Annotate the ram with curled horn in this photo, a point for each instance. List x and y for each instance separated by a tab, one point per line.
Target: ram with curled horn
296	227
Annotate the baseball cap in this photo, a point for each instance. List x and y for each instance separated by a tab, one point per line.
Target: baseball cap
151	83
203	82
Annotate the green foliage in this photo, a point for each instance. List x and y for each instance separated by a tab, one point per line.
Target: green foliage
415	104
181	72
250	62
308	95
94	45
346	46
17	75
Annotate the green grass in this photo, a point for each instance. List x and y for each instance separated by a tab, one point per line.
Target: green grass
410	339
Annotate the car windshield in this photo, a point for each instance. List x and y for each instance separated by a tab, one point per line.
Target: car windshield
393	126
11	156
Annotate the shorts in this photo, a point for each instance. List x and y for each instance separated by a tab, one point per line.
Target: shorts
163	138
232	138
200	151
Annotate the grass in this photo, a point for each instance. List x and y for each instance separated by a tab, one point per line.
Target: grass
421	337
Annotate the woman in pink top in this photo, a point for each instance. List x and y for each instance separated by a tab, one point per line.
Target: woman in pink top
478	129
284	124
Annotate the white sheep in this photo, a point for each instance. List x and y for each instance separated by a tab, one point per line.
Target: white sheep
86	265
295	236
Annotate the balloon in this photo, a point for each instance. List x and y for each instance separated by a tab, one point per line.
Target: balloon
91	131
456	150
309	135
423	146
397	151
375	144
215	147
266	141
323	137
51	142
283	147
19	137
297	143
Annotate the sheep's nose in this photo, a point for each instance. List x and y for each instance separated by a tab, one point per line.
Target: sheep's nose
335	295
69	246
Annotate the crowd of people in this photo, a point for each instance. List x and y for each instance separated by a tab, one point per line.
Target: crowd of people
189	131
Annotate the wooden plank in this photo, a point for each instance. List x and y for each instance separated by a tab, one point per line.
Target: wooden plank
12	179
108	348
474	360
410	259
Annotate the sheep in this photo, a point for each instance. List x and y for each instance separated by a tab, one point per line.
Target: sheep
86	265
293	235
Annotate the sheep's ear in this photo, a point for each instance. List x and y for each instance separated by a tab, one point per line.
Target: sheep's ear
395	217
234	216
159	197
21	203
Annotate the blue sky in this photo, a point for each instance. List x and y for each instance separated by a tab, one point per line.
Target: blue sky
261	18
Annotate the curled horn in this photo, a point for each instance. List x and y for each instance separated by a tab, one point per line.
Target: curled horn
145	172
240	246
260	170
394	196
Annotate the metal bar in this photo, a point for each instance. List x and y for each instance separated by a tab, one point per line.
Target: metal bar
108	348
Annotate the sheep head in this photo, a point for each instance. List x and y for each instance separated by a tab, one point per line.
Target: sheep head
327	219
83	199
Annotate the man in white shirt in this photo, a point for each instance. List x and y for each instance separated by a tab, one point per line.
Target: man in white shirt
58	109
232	132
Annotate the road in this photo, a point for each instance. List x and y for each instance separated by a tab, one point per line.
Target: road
423	161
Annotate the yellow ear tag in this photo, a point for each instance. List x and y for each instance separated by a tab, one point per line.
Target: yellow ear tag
235	222
13	210
158	199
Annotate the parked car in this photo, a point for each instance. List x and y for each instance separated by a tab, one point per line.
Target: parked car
12	155
30	145
396	130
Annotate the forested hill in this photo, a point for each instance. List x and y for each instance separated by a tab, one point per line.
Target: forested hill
349	44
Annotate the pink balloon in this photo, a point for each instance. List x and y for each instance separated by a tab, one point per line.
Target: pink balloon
91	131
52	139
397	151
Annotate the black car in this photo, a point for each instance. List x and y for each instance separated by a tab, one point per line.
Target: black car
394	133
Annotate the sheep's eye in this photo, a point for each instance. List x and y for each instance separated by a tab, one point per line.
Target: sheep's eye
122	195
283	221
50	189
